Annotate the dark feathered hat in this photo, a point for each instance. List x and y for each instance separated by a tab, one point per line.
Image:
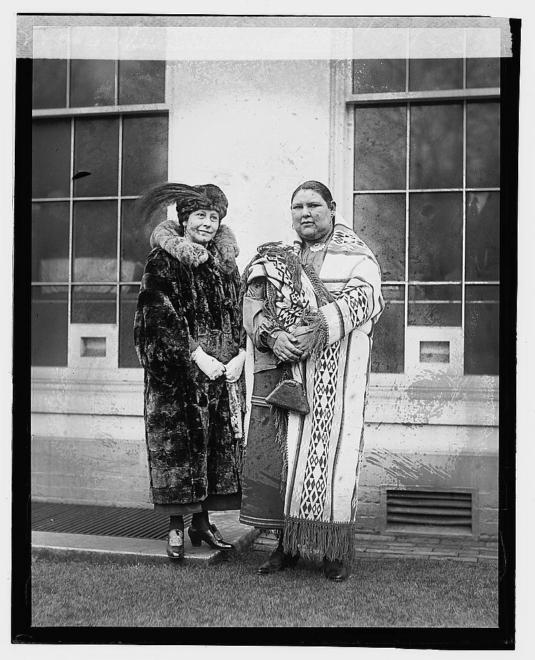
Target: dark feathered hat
187	199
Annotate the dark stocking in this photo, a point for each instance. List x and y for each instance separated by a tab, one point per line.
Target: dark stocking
200	521
176	522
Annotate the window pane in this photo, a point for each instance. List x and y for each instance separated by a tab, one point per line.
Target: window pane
50	242
483	145
380	222
483	236
51	148
380	148
435	236
376	76
92	83
127	352
96	157
436	146
49	84
141	81
426	74
389	334
435	305
481	334
483	72
135	242
144	152
95	242
93	304
49	326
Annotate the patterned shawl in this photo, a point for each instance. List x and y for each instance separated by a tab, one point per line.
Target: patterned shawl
322	451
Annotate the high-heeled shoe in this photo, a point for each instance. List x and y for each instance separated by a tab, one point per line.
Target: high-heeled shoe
209	537
175	544
278	561
197	541
216	532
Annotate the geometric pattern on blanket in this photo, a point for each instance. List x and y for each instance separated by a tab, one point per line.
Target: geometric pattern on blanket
324	395
287	314
341	238
359	312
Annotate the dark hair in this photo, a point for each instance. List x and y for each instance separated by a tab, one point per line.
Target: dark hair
316	186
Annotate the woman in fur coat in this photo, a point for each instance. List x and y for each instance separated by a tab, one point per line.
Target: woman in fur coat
188	338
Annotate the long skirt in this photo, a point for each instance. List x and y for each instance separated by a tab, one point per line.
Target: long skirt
211	503
262	499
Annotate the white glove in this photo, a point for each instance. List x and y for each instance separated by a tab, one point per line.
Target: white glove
234	367
207	364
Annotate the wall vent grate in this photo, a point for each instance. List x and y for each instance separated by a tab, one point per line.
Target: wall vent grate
419	510
100	520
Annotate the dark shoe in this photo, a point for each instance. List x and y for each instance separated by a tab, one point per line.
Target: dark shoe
175	544
335	570
197	541
216	532
278	561
208	536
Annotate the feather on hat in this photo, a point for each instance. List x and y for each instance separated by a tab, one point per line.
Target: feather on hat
187	199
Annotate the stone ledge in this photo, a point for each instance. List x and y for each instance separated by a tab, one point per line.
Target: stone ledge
115	549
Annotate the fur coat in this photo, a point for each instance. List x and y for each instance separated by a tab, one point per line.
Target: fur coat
186	301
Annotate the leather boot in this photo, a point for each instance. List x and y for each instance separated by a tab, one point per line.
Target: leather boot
335	570
278	561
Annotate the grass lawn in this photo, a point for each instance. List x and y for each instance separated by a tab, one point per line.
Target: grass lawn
382	592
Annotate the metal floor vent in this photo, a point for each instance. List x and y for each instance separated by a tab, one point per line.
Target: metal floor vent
100	520
429	511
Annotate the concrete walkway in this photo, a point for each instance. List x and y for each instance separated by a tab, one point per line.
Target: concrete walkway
116	549
86	547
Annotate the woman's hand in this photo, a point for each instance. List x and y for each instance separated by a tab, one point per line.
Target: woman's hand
207	364
285	347
304	336
234	367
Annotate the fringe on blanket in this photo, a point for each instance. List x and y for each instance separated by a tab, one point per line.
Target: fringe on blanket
320	331
334	541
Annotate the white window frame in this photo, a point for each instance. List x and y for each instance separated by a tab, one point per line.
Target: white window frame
92	385
434	396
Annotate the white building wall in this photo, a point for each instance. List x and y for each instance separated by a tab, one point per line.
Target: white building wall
257	129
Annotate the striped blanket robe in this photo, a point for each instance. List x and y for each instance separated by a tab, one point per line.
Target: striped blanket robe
323	449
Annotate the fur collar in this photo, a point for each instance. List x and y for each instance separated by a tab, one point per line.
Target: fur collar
223	248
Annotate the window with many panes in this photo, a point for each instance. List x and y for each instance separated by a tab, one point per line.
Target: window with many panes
100	138
427	201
